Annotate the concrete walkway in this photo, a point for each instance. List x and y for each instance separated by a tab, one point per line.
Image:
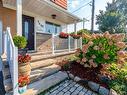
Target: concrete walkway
70	87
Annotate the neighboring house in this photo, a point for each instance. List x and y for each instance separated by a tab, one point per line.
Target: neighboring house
39	21
36	20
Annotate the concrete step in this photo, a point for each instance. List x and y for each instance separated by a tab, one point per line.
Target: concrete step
42	63
44	84
49	56
39	53
41	73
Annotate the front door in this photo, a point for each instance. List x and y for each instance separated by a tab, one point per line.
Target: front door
28	31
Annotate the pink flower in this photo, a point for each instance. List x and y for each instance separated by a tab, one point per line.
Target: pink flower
78	61
96	48
120	61
85	48
93	56
93	36
90	43
110	43
94	65
106	56
107	35
84	59
121	37
114	37
91	61
121	45
121	54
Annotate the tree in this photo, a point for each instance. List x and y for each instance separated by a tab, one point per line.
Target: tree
111	20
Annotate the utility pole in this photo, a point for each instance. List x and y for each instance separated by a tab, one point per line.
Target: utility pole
92	17
83	23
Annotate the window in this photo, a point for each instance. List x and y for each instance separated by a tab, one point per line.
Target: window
52	28
26	29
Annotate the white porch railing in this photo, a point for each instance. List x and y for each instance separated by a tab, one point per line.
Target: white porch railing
1	37
12	59
61	45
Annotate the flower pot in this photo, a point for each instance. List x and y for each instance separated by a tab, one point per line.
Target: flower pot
22	51
63	37
24	69
23	89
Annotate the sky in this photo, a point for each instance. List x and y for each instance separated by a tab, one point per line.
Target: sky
85	12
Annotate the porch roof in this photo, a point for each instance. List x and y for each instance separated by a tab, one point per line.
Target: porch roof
44	8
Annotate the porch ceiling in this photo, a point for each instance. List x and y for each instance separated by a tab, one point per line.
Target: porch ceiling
44	8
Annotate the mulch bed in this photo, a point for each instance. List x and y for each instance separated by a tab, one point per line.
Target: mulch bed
90	74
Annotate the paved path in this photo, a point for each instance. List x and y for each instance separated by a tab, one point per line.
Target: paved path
70	87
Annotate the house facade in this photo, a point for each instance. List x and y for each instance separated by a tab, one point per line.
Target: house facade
37	20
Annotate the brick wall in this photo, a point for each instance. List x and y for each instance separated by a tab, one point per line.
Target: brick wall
61	3
8	18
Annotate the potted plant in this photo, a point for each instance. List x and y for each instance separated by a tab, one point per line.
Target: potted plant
21	43
63	35
24	67
23	81
75	36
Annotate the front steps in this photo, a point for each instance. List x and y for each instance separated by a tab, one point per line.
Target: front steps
45	73
43	84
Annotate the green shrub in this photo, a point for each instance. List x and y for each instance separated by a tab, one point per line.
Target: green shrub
119	86
101	49
119	71
20	41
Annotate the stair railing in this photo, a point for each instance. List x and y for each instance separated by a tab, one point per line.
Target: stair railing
12	59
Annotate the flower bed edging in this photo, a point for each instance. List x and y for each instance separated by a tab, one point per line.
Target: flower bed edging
94	86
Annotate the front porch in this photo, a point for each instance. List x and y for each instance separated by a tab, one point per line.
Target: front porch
39	38
46	47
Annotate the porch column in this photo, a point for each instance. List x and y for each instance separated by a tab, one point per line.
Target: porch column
19	17
75	30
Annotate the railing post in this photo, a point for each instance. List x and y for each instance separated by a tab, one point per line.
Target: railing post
15	71
53	44
8	44
1	38
69	43
81	42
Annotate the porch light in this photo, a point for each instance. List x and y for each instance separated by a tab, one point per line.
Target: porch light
53	16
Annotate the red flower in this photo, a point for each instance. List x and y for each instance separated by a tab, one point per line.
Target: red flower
24	59
23	80
63	35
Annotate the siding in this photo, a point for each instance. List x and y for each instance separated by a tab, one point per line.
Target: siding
61	3
8	18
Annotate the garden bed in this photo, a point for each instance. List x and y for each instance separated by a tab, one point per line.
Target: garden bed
91	74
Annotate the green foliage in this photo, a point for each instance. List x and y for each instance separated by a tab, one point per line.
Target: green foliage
119	71
73	58
20	41
111	21
83	31
119	86
66	67
110	50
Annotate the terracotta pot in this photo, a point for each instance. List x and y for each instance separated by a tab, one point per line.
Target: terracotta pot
24	69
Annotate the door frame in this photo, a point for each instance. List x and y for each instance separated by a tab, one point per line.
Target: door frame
30	51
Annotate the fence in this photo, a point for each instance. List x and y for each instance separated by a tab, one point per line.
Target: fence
61	45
